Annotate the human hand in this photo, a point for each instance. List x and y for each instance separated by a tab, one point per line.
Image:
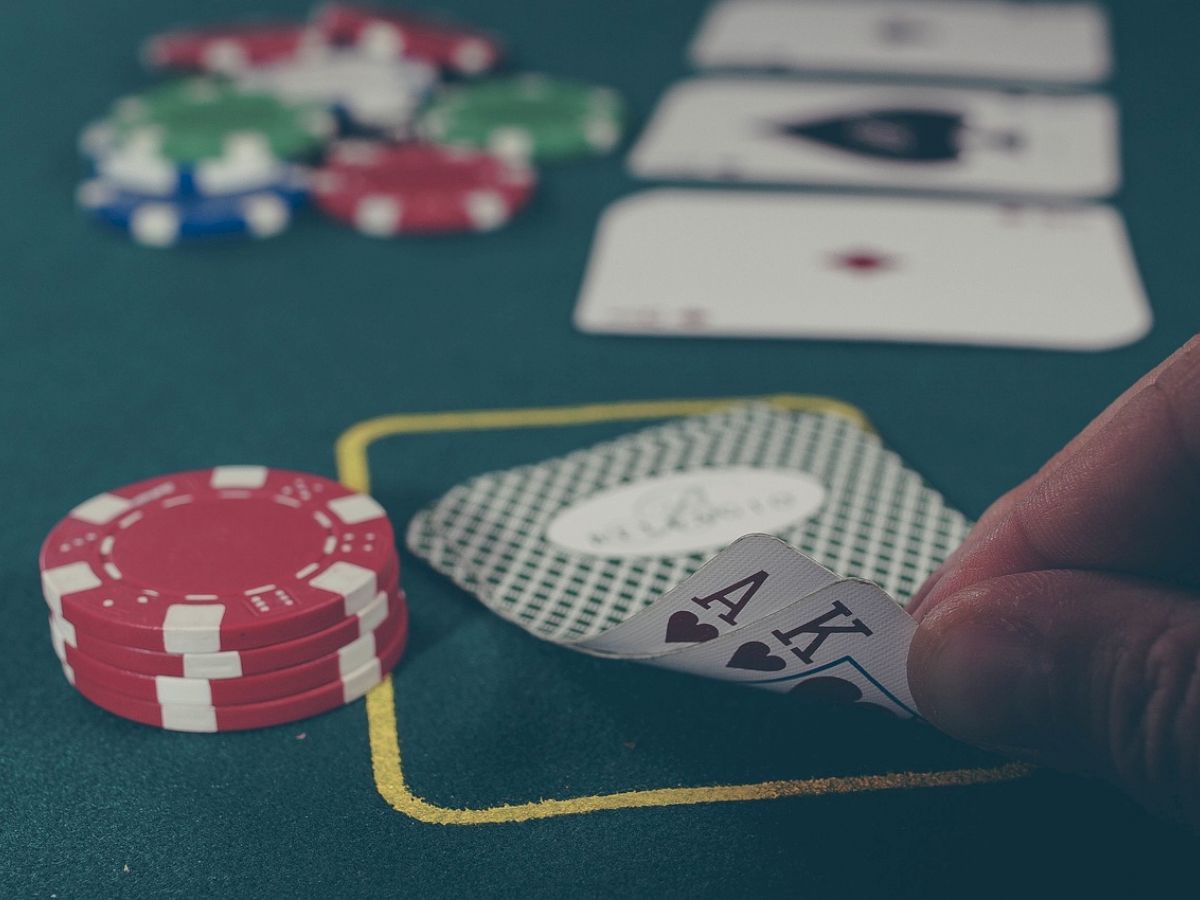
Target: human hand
1066	628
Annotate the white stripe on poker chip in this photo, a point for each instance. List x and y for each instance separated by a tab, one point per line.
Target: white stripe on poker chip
238	477
381	40
354	509
246	165
101	509
362	680
193	628
486	210
356	654
189	718
226	664
64	628
190	691
147	171
69	579
378	216
224	55
155	224
602	132
511	143
97	138
265	214
355	584
56	641
370	618
472	56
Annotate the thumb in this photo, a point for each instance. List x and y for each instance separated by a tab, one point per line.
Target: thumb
1079	670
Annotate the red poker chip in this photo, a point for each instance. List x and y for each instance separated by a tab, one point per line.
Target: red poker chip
387	189
235	663
390	34
217	559
167	690
228	48
184	717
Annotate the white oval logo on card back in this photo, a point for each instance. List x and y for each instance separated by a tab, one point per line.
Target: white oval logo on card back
686	512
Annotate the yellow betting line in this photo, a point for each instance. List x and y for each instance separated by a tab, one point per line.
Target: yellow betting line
351	452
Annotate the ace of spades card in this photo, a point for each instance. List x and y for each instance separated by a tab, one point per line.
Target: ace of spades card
883	136
756	545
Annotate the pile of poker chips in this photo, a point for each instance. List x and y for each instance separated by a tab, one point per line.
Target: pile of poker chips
385	120
225	599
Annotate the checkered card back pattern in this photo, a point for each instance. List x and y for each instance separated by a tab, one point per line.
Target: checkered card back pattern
879	521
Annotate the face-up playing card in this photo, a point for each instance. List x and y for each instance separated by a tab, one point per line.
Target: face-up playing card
751	264
849	632
1022	42
911	138
585	550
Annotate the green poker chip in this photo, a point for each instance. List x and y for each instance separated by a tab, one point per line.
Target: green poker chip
529	117
199	119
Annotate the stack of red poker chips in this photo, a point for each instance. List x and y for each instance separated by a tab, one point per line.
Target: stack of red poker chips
224	599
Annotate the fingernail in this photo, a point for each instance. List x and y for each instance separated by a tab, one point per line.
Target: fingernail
983	682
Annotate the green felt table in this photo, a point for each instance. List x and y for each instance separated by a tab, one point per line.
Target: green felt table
119	363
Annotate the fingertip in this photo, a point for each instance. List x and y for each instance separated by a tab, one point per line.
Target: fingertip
977	673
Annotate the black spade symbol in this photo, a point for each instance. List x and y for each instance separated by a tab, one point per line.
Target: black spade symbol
897	135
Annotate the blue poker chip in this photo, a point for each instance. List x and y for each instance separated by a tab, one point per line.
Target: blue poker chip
164	221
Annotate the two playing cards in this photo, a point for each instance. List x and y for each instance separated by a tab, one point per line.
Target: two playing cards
756	545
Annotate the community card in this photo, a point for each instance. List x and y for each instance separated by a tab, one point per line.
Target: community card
706	263
912	138
1065	43
572	548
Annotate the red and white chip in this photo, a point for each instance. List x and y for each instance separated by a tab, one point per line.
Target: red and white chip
387	189
165	689
236	663
229	48
206	717
390	34
217	559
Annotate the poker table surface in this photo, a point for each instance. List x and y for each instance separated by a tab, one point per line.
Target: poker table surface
492	763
